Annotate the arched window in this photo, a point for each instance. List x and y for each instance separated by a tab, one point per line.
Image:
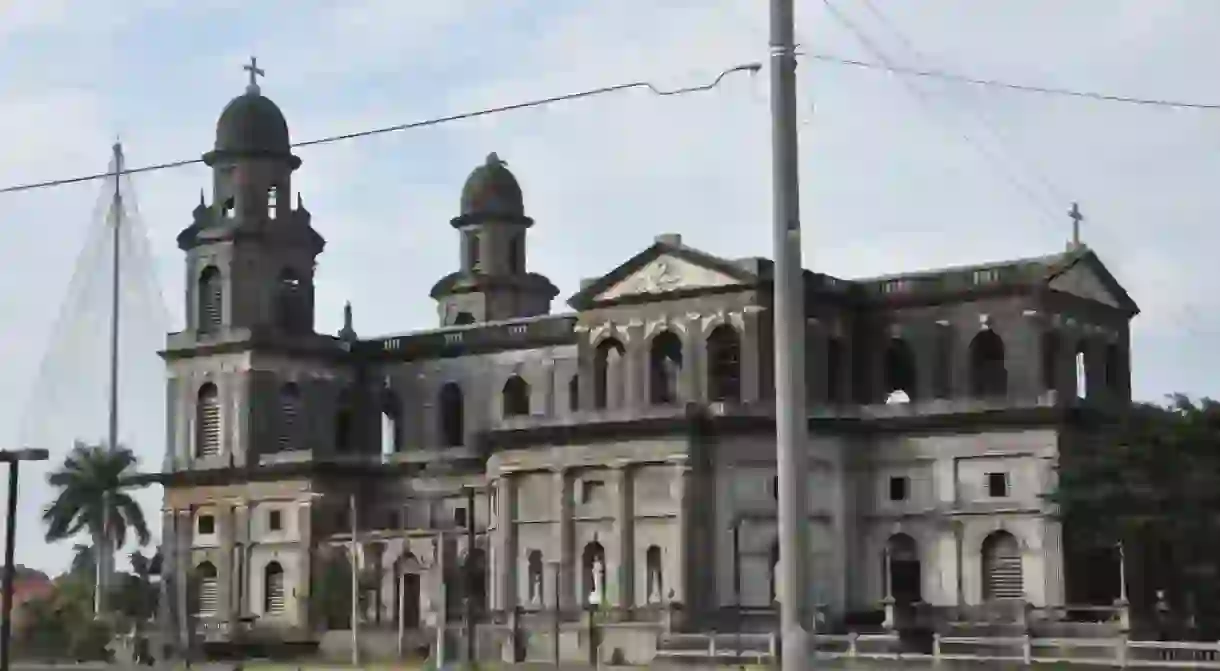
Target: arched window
453	422
208	589
273	588
654	575
515	397
210	296
391	423
900	377
291	417
1002	574
904	573
207	421
988	374
534	568
291	301
607	374
665	368
1050	360
1084	372
593	580
724	364
574	393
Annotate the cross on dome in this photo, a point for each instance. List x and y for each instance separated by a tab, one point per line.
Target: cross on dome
255	73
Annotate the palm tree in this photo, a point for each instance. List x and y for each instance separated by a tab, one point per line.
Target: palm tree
93	497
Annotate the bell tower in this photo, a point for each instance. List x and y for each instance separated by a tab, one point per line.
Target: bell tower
492	282
250	254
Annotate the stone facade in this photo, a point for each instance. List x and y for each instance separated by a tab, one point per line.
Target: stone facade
621	453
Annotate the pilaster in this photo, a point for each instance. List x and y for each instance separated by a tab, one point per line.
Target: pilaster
226	603
506	541
624	529
301	593
680	545
240	584
563	538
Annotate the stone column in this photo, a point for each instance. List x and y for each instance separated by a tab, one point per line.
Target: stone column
690	383
1023	358
751	359
624	528
241	560
635	379
506	542
563	539
301	592
1052	563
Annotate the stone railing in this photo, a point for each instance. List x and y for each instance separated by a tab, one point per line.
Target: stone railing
1117	652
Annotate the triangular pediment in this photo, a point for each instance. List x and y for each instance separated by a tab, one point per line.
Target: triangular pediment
664	274
1089	279
661	269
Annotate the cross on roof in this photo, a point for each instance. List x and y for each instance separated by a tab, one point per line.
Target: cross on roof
255	73
1077	217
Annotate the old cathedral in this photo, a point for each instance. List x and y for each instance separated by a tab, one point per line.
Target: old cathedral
617	456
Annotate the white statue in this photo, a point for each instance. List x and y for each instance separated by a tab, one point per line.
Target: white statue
536	588
599	581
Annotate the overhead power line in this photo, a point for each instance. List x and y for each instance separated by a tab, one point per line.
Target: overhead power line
996	83
751	68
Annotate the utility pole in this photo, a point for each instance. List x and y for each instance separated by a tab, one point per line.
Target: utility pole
13	458
355	585
791	418
471	645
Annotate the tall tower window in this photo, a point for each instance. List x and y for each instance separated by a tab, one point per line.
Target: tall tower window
207	421
471	244
290	300
211	300
290	416
516	254
272	201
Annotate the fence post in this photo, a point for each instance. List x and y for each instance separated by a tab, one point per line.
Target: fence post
711	647
773	646
852	644
1027	649
1121	651
936	647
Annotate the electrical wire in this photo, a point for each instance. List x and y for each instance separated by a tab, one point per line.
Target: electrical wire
996	83
978	112
752	68
1017	184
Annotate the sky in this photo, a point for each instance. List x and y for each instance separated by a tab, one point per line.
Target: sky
898	173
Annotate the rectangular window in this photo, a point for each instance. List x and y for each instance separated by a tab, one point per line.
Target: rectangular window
206	525
898	488
459	517
590	490
275	521
997	485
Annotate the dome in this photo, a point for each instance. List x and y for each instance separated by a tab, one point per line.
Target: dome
252	125
492	189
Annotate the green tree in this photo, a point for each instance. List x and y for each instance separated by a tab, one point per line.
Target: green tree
1152	485
93	496
134	597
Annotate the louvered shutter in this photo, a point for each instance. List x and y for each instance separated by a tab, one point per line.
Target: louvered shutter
207	422
1002	569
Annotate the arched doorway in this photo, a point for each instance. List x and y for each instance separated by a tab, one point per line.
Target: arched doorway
988	368
1002	572
905	570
